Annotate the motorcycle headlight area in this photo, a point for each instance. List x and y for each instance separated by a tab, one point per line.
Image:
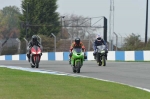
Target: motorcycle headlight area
33	52
101	51
39	52
79	54
36	53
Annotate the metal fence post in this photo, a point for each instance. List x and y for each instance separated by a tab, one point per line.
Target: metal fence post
18	45
121	39
70	36
54	40
26	43
40	39
116	41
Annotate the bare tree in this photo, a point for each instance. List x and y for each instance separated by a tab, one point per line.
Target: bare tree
79	26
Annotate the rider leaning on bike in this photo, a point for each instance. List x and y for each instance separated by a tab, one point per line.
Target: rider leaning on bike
99	41
76	44
31	43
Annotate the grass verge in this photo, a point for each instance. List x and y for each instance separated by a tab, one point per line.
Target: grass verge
17	84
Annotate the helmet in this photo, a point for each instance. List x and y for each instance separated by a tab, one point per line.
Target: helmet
98	37
77	40
34	38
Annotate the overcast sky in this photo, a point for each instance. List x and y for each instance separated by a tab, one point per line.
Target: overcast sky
129	14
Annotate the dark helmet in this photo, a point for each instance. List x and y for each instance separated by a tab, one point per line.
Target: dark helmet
99	37
34	38
77	40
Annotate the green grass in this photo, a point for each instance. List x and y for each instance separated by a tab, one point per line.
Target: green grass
17	84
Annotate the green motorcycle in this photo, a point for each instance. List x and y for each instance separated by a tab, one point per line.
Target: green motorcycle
101	55
77	59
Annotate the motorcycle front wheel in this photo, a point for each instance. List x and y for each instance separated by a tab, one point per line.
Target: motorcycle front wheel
78	66
103	60
31	60
37	62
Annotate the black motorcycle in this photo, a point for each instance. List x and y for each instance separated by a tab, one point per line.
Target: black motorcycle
101	55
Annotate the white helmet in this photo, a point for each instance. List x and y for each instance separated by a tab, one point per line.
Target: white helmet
98	37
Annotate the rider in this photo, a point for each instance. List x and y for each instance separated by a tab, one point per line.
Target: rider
76	44
31	43
99	41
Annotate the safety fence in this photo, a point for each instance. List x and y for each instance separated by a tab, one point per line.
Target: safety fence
64	56
15	46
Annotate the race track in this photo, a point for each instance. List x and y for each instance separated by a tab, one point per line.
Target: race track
131	73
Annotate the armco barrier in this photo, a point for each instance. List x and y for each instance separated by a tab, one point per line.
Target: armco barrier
64	56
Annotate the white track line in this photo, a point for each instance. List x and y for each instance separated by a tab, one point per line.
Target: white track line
66	74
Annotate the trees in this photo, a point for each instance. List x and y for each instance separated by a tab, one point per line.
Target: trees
40	16
2	22
9	22
9	28
133	42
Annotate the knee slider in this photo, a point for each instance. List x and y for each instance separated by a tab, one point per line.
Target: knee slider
70	54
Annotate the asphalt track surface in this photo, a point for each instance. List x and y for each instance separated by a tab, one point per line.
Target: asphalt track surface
131	73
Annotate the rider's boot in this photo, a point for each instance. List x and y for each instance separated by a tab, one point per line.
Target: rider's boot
70	60
94	54
70	55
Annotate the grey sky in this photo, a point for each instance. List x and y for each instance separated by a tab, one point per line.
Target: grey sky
129	14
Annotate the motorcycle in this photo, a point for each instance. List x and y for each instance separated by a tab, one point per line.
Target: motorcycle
77	59
101	55
35	56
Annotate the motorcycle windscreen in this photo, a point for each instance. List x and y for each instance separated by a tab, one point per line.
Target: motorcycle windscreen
35	50
101	48
77	50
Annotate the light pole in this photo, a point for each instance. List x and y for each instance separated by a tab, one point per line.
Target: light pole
62	25
111	24
146	22
27	19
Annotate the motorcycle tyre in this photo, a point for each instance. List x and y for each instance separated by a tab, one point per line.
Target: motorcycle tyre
37	62
104	60
78	67
32	66
73	69
100	63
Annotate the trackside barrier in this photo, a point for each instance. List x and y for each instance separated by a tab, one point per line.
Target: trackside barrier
64	56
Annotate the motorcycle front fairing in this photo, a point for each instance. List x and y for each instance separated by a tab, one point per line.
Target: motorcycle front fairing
101	49
35	53
77	55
